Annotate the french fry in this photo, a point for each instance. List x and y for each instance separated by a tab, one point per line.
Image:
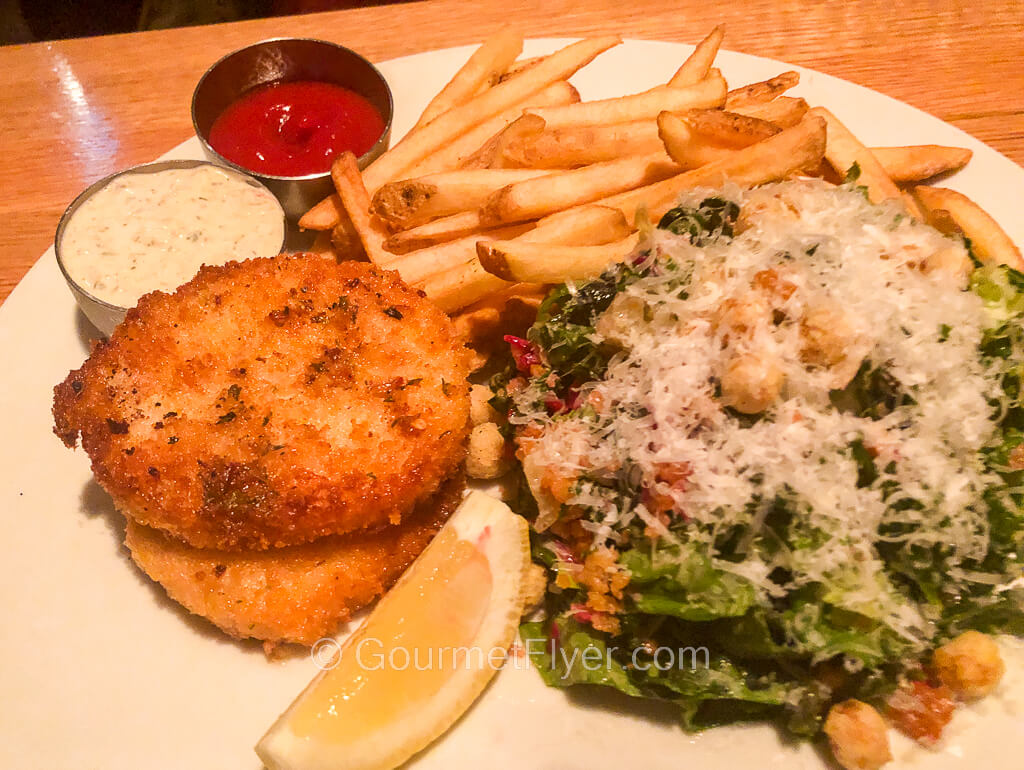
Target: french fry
729	129
510	311
699	63
491	155
519	65
323	216
484	157
345	240
484	86
452	124
844	150
461	285
709	92
411	202
759	93
783	111
417	266
582	226
575	146
547	194
990	242
916	163
518	260
329	217
322	245
455	154
699	137
438	231
346	177
684	145
483	68
791	151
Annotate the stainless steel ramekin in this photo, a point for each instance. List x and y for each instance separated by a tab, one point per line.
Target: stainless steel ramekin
288	59
104	315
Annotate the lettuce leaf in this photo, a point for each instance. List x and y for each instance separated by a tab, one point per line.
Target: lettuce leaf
681	582
708	690
1001	288
573	654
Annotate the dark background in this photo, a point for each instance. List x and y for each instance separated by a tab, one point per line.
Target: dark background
26	21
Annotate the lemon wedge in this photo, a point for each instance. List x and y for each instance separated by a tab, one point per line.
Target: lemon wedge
422	657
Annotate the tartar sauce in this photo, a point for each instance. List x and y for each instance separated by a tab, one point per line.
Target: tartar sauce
153	230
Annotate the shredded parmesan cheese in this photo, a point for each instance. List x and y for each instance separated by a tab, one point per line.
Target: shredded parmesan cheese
815	283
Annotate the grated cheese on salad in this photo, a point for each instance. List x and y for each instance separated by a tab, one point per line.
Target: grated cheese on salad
788	387
860	265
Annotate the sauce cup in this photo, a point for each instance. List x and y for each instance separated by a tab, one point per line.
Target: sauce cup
289	59
104	315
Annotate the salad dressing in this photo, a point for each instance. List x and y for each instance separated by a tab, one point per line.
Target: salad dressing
145	232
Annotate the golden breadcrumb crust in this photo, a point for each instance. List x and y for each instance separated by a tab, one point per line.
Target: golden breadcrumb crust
297	594
271	402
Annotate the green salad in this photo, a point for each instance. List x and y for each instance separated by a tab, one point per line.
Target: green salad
774	460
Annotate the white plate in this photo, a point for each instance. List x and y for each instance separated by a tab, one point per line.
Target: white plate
99	669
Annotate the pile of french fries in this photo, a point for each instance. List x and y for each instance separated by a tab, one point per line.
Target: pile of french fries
509	182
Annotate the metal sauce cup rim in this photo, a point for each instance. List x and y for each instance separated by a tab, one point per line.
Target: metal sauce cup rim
384	136
143	168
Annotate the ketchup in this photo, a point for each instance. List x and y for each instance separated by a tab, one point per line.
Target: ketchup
295	128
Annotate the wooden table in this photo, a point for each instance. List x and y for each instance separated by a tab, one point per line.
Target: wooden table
77	110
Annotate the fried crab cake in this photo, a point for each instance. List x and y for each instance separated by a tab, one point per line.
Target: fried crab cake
300	593
271	402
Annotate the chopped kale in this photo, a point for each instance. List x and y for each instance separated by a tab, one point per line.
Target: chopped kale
714	218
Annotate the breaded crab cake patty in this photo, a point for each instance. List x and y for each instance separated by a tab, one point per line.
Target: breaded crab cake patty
271	402
297	594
